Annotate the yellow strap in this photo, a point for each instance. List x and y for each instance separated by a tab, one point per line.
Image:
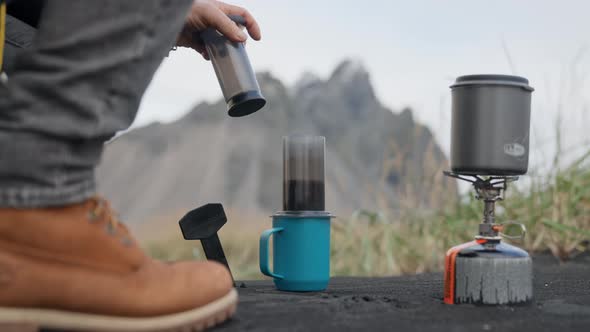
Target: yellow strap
2	30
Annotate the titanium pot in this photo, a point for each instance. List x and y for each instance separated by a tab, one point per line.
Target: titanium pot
490	125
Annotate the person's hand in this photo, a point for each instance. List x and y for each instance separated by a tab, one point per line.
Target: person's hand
213	14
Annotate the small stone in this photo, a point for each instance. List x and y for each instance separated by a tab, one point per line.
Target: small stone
367	298
486	327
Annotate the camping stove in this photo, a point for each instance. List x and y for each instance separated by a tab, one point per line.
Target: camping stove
486	270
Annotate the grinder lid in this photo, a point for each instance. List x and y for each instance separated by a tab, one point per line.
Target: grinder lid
492	79
245	103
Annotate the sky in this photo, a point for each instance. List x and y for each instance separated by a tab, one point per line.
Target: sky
413	50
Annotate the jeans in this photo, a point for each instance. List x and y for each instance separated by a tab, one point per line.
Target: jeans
71	86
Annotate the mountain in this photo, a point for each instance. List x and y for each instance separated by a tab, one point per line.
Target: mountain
376	158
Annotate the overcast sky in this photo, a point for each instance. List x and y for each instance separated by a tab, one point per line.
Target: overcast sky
413	50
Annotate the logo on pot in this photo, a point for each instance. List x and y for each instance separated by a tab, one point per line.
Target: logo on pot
514	149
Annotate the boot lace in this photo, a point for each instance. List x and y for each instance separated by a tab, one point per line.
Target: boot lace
102	211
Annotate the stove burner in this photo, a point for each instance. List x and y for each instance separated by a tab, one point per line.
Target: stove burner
490	189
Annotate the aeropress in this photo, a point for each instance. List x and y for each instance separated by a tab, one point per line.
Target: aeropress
301	231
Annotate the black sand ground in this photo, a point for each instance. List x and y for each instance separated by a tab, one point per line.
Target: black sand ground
414	303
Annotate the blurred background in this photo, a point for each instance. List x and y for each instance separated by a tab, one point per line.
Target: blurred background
373	78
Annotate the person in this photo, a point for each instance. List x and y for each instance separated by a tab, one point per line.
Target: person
66	262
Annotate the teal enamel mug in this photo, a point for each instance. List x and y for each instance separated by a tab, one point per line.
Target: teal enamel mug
300	249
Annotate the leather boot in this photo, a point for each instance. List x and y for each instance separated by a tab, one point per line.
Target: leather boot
78	268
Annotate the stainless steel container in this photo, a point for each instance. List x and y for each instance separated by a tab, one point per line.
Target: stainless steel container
234	72
490	125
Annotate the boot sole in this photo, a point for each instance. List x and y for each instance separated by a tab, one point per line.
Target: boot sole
31	320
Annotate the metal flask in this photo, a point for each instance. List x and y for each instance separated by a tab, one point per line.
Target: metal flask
234	72
490	125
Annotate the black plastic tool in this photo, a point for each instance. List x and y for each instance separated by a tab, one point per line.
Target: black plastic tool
203	223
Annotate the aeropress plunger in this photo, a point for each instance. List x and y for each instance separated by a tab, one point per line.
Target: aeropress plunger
489	149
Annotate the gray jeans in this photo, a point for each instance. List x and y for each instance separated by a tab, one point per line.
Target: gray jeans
71	88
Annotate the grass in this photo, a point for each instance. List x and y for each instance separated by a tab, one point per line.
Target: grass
555	210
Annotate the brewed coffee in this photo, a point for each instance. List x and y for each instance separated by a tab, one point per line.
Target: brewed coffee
303	173
303	195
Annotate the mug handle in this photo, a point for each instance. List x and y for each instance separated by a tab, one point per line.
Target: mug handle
264	237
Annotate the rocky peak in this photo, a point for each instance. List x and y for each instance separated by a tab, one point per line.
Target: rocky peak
350	70
306	81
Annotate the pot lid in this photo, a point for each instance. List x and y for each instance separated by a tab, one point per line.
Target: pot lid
492	79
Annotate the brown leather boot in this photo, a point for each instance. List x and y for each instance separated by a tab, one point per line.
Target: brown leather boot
77	268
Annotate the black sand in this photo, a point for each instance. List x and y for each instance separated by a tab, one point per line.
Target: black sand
414	303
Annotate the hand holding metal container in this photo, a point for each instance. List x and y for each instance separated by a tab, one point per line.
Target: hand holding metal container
234	72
